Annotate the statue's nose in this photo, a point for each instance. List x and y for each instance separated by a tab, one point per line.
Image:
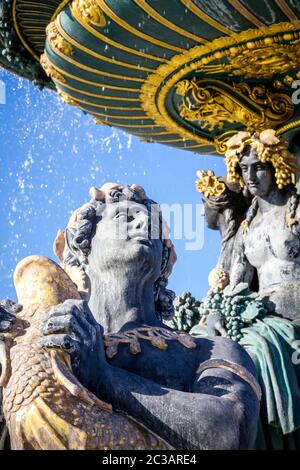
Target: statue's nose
140	222
251	174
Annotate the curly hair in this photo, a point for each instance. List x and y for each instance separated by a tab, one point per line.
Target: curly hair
76	244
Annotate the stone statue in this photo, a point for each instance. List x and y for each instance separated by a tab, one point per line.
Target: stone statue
44	405
270	236
181	392
225	207
265	257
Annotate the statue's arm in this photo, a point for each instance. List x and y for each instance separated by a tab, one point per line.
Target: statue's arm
241	269
219	411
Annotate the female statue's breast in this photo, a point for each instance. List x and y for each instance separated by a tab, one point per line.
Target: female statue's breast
274	251
269	239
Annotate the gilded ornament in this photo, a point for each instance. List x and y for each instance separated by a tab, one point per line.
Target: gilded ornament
89	11
208	184
66	98
215	103
214	108
100	121
275	107
57	41
28	23
288	80
157	336
45	406
50	70
262	53
183	87
256	60
278	84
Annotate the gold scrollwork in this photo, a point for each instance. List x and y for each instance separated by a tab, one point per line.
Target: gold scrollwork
277	107
89	11
263	60
214	106
61	5
277	47
57	41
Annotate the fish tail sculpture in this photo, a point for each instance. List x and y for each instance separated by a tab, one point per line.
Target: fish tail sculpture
45	407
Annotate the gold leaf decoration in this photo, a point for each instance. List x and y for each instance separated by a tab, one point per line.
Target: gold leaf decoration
156	336
57	41
214	104
50	70
264	53
66	98
89	11
208	184
135	347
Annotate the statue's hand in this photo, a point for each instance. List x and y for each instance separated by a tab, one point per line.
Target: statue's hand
215	325
70	326
8	310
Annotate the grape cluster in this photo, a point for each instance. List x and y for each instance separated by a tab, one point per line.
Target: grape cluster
238	307
187	312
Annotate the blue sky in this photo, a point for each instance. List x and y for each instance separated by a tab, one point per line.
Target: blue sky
51	154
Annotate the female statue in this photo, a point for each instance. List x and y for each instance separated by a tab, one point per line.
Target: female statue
266	257
270	235
195	394
225	207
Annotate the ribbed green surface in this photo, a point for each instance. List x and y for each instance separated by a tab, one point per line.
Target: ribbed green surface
109	65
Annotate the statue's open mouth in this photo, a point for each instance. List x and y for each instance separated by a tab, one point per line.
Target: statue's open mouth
143	240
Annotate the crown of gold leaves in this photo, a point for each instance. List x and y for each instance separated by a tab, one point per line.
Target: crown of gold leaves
270	148
208	184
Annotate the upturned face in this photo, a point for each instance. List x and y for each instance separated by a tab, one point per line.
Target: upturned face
257	176
125	239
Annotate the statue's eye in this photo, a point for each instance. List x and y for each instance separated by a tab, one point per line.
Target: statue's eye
259	168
